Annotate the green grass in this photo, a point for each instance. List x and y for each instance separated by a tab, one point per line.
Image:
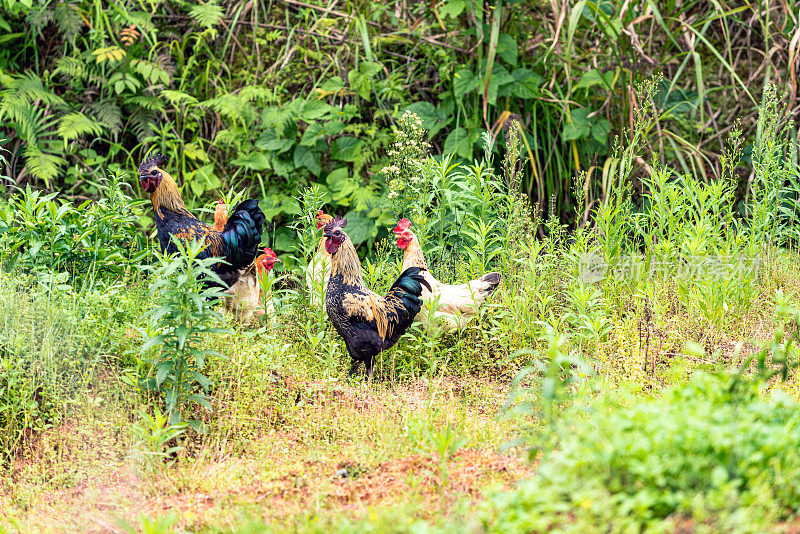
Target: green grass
283	422
610	383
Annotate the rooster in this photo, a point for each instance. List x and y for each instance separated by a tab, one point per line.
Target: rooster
457	304
245	295
237	242
368	322
319	270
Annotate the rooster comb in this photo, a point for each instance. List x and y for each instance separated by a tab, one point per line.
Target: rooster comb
154	160
333	223
402	224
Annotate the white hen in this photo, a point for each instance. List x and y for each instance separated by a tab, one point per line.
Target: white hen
458	304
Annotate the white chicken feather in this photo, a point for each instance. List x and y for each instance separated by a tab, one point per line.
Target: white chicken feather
457	304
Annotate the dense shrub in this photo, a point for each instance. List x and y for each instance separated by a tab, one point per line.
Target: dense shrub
49	236
699	453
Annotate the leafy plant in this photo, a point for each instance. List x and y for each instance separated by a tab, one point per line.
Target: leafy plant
173	356
654	463
153	436
98	241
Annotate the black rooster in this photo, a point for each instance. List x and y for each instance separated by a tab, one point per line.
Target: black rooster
237	243
368	322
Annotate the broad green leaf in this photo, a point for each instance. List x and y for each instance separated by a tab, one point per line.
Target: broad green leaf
205	175
197	188
600	131
526	83
332	85
283	166
359	227
315	109
507	49
284	239
162	372
336	179
464	81
272	141
458	142
369	68
195	152
500	78
308	158
594	77
257	161
311	135
333	127
359	83
576	126
346	148
606	6
452	8
432	119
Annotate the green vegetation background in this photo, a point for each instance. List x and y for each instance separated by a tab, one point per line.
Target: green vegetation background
276	95
642	130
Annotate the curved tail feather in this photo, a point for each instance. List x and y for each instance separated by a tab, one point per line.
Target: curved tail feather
488	283
242	233
404	296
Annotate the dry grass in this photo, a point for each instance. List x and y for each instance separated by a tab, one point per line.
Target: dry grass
347	447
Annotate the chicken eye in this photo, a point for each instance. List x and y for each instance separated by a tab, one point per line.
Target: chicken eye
154	172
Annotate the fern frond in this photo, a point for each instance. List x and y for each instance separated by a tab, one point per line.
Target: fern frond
206	15
69	67
30	123
178	97
166	62
41	165
109	114
67	20
149	103
38	17
75	125
228	138
95	78
232	106
153	73
142	124
142	20
25	89
249	93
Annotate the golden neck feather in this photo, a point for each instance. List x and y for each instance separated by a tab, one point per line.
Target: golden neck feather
413	255
345	262
168	196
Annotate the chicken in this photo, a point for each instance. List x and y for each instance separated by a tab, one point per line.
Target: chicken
319	270
368	322
245	296
237	242
220	216
457	304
